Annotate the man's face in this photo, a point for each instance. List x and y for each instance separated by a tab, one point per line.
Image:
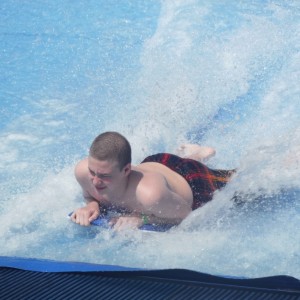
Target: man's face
106	176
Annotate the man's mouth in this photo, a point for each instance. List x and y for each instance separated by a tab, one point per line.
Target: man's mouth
100	188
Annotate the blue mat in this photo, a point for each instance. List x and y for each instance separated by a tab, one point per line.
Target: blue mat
103	221
23	278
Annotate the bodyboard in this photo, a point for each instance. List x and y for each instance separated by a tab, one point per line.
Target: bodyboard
103	221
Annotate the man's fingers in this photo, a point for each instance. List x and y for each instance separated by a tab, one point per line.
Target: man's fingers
123	223
112	221
73	217
94	216
81	219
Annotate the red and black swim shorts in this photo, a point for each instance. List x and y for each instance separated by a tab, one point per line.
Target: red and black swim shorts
202	180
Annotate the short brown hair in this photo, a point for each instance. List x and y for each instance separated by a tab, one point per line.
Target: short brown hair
111	146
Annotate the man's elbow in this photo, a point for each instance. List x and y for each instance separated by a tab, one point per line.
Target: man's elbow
182	212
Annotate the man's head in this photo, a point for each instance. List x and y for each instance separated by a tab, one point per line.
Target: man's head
111	146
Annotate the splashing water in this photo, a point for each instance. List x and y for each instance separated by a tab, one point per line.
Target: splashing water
220	74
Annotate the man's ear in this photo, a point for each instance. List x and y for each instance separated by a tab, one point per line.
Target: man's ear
127	169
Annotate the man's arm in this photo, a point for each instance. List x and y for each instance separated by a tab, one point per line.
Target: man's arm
160	201
85	215
160	206
137	220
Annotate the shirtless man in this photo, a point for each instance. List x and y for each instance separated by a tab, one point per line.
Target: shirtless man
163	189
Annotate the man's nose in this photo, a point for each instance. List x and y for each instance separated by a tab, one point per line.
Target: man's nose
96	180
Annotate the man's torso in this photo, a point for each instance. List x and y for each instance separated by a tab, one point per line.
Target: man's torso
175	182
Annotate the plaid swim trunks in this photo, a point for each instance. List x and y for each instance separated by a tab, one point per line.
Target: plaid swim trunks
202	180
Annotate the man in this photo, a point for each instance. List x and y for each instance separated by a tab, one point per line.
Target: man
163	189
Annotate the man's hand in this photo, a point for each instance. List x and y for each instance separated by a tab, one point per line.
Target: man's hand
85	215
127	222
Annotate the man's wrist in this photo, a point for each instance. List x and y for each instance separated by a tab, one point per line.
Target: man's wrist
145	219
94	204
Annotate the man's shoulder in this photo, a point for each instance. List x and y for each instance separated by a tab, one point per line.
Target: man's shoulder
151	187
81	169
